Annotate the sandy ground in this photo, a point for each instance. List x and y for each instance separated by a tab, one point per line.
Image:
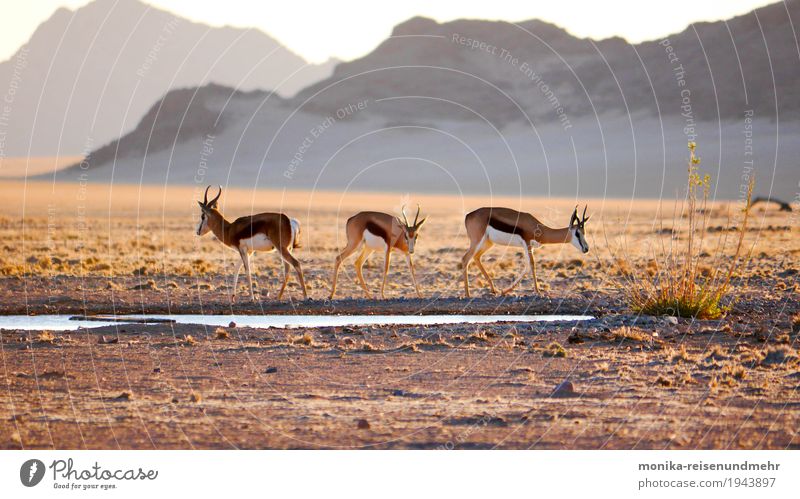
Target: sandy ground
19	167
637	382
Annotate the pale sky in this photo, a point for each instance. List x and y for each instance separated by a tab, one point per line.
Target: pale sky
347	29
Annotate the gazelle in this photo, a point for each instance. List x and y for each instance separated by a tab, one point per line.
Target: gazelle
261	232
489	226
378	232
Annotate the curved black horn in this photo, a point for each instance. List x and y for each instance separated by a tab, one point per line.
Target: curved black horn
416	217
583	217
403	211
574	216
205	196
218	195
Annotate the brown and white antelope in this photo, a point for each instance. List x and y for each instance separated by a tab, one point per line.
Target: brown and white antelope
261	232
504	226
378	232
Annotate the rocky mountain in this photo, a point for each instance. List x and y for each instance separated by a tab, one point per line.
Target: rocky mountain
483	106
512	72
88	76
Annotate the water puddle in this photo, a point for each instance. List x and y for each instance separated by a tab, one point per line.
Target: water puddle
71	323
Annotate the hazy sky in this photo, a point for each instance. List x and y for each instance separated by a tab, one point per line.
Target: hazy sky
350	28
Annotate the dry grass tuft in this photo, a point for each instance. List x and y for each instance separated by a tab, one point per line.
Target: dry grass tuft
796	323
662	381
678	285
195	397
46	337
735	371
477	337
687	379
716	353
189	340
305	339
221	333
554	349
624	334
682	356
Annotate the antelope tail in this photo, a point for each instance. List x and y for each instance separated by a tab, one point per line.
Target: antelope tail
296	243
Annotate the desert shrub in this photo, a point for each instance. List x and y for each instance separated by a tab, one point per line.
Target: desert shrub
675	283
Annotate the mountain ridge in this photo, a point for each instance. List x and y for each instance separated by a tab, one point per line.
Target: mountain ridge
91	73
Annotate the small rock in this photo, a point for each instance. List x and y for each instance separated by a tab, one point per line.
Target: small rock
671	320
271	370
124	396
231	324
157	370
363	424
564	389
399	393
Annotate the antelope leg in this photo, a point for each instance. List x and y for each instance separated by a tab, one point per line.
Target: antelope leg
413	276
386	270
477	259
360	263
520	277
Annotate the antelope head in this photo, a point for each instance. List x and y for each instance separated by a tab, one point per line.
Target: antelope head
411	231
577	231
207	209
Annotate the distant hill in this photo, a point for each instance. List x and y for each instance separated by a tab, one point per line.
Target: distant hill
88	76
484	106
511	72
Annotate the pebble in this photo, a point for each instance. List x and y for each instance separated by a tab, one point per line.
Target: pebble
231	324
363	424
564	389
271	370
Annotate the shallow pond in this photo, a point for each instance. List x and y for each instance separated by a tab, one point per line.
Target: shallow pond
71	323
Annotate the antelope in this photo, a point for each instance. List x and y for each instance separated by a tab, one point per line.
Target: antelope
378	232
261	232
504	226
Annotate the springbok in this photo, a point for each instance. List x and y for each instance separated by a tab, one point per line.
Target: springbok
378	232
489	226
261	232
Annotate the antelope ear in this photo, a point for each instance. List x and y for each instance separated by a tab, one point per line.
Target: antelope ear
419	224
202	206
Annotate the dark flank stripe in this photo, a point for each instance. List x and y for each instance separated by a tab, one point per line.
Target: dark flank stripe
257	227
377	230
505	227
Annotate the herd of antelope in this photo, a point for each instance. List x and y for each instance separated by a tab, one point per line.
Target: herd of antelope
370	231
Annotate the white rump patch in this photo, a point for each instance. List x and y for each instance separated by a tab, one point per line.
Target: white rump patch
295	229
259	242
374	242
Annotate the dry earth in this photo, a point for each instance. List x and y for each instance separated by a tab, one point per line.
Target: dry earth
637	382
